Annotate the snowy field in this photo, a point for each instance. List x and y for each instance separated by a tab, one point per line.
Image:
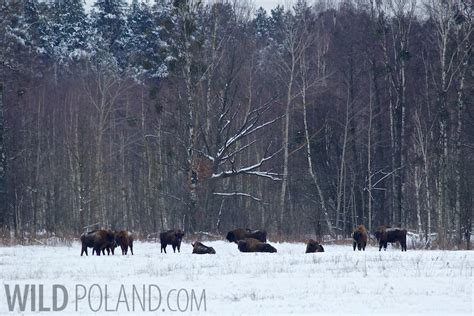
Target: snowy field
338	281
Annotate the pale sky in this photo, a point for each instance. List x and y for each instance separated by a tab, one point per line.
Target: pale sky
270	4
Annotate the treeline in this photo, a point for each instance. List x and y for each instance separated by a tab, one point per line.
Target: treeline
213	116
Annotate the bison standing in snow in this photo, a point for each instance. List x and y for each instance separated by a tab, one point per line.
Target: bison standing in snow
171	237
313	246
360	238
254	245
379	230
201	249
242	233
99	241
125	240
392	235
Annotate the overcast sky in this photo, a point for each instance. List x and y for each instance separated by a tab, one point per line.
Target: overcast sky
270	4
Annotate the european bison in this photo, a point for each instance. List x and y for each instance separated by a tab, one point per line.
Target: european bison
124	240
201	249
379	230
313	246
254	245
98	240
392	235
171	237
242	233
360	238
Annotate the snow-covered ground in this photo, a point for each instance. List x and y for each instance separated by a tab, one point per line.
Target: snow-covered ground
338	281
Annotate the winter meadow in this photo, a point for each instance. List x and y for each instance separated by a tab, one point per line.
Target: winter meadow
338	281
181	121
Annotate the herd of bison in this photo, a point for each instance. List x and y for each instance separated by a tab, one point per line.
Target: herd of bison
247	240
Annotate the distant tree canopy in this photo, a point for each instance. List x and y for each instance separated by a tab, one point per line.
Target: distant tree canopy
207	117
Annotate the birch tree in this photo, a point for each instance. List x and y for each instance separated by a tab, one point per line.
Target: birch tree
403	12
453	35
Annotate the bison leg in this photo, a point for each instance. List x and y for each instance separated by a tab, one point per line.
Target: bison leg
179	248
97	251
404	246
354	244
359	246
131	249
163	248
380	246
363	246
84	249
174	248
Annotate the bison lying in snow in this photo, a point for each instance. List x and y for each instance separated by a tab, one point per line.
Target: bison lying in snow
99	241
171	237
242	233
313	246
360	238
125	240
254	245
391	235
201	249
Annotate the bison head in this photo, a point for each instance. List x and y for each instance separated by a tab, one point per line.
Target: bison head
242	246
231	237
268	248
179	234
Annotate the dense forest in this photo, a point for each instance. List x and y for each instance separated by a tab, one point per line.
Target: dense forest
302	121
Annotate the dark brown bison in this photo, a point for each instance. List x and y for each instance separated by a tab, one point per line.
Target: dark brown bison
313	246
360	238
379	230
201	249
392	235
171	237
242	233
125	240
99	241
254	245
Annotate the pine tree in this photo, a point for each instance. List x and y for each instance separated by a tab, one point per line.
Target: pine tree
111	33
69	31
34	26
262	23
146	51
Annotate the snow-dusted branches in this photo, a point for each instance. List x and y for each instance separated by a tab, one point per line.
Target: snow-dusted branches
229	141
238	194
250	170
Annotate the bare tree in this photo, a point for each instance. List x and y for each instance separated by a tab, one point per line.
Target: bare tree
451	19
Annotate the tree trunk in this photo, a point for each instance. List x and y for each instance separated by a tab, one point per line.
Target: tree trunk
286	127
417	177
458	151
369	160
311	171
4	219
